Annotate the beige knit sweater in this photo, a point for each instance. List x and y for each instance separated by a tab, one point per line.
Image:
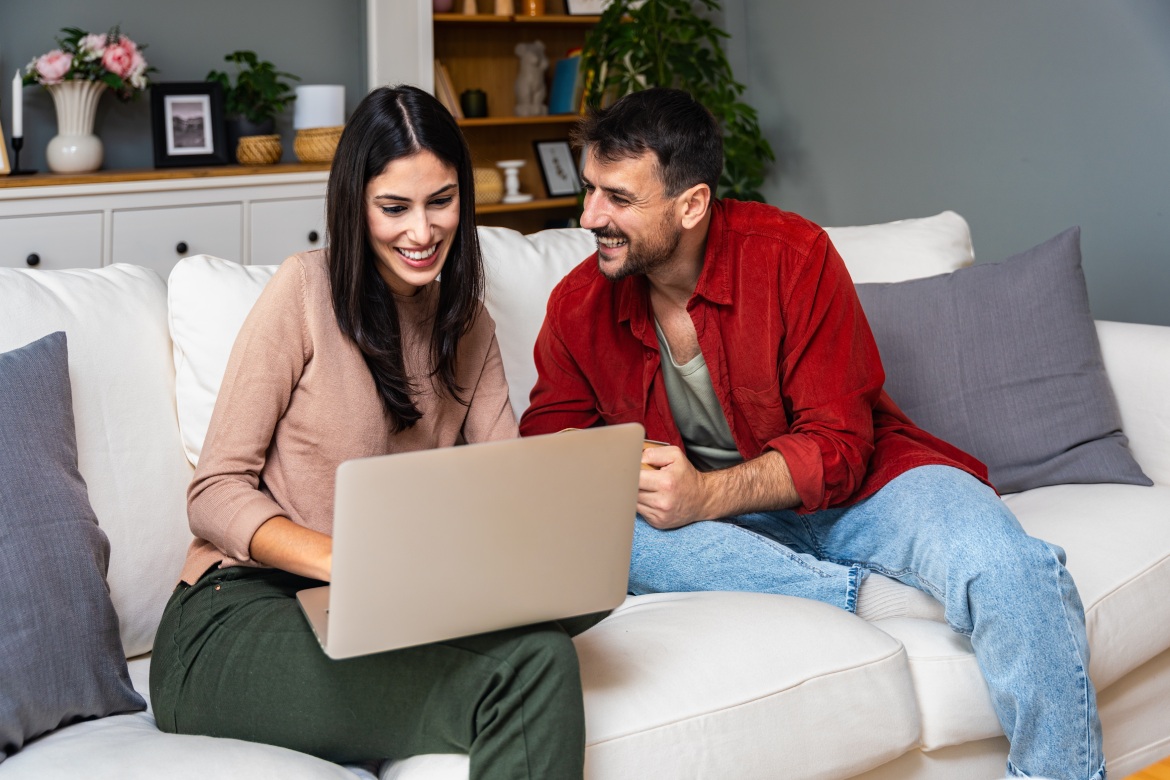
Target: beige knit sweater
297	399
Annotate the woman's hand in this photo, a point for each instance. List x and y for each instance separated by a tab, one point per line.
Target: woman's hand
282	544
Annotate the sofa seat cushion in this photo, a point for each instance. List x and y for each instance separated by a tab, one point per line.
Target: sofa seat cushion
742	685
130	747
1117	538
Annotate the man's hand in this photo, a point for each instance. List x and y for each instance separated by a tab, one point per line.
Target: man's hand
673	493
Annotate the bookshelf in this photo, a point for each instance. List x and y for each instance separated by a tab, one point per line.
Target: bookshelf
479	53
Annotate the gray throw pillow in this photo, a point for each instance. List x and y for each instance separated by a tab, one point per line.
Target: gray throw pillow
1002	360
60	654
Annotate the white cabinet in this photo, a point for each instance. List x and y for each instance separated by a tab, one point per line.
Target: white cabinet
51	241
159	238
281	228
154	218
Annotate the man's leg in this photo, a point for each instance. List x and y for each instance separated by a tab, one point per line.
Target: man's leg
943	531
726	555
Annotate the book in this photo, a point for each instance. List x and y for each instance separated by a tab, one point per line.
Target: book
564	98
445	90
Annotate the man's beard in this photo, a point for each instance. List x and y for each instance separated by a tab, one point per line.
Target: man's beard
646	255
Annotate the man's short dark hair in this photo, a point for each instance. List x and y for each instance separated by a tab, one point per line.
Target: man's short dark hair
669	122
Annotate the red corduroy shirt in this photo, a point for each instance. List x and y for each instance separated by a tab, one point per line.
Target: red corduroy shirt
790	353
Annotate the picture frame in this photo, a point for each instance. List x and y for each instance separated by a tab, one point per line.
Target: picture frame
557	168
586	7
187	124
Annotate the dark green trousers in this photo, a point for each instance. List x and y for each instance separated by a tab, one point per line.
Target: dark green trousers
235	657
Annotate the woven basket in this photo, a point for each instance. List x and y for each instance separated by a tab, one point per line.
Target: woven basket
489	185
317	144
258	150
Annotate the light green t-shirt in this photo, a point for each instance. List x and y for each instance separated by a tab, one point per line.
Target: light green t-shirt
695	407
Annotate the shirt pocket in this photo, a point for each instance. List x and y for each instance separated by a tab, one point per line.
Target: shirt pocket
624	410
762	411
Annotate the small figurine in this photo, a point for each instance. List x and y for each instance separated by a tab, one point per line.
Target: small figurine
530	89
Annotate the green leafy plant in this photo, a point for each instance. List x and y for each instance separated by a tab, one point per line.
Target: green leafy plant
668	43
260	93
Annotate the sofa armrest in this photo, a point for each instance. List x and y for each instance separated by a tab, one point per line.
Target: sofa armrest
1137	358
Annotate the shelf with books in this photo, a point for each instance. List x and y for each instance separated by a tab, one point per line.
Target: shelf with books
479	52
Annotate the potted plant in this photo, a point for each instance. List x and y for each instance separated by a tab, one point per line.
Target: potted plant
666	43
259	93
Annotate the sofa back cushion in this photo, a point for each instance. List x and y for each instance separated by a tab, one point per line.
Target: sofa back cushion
60	656
522	271
210	297
128	446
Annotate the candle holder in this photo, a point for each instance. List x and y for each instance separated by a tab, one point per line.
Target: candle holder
512	193
17	145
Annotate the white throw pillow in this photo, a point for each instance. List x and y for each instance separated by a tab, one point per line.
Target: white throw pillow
906	249
521	272
208	300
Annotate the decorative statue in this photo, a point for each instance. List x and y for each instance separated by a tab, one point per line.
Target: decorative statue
530	89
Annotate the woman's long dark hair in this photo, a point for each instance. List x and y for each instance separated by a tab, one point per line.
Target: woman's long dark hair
390	123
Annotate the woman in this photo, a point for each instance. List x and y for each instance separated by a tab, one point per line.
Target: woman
352	351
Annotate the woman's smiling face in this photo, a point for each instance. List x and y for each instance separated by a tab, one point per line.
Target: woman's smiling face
412	211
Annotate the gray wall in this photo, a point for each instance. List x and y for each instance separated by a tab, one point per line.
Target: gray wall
322	41
1025	116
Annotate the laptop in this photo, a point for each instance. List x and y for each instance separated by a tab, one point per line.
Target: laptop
450	542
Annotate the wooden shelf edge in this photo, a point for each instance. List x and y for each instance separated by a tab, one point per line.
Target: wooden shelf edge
515	18
505	121
155	174
532	205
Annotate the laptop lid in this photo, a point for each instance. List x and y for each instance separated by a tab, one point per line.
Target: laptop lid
443	543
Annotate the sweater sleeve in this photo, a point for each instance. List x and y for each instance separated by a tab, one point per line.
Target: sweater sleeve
562	397
225	503
831	376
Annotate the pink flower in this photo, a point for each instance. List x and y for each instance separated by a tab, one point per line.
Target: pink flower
137	76
93	45
52	67
119	58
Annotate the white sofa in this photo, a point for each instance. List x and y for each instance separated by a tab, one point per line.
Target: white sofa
710	685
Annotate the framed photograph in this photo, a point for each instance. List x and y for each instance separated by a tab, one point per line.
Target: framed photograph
187	124
586	7
557	168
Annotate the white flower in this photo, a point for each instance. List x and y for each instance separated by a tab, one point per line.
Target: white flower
92	46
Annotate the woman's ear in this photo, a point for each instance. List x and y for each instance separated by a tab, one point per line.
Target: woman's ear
694	204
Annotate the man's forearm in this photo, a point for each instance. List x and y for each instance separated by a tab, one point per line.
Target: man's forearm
758	485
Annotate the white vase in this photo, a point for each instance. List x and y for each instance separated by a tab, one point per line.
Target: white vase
75	149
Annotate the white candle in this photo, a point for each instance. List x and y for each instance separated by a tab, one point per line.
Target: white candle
17	106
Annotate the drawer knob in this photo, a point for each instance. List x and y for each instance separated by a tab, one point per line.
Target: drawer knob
33	259
181	248
313	236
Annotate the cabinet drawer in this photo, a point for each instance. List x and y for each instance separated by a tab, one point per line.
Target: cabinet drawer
159	238
280	228
51	242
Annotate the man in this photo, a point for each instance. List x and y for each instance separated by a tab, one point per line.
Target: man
732	332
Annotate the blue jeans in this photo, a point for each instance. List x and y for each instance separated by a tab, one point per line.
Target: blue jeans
942	531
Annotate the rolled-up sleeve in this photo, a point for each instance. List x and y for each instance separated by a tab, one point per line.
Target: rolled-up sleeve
830	378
